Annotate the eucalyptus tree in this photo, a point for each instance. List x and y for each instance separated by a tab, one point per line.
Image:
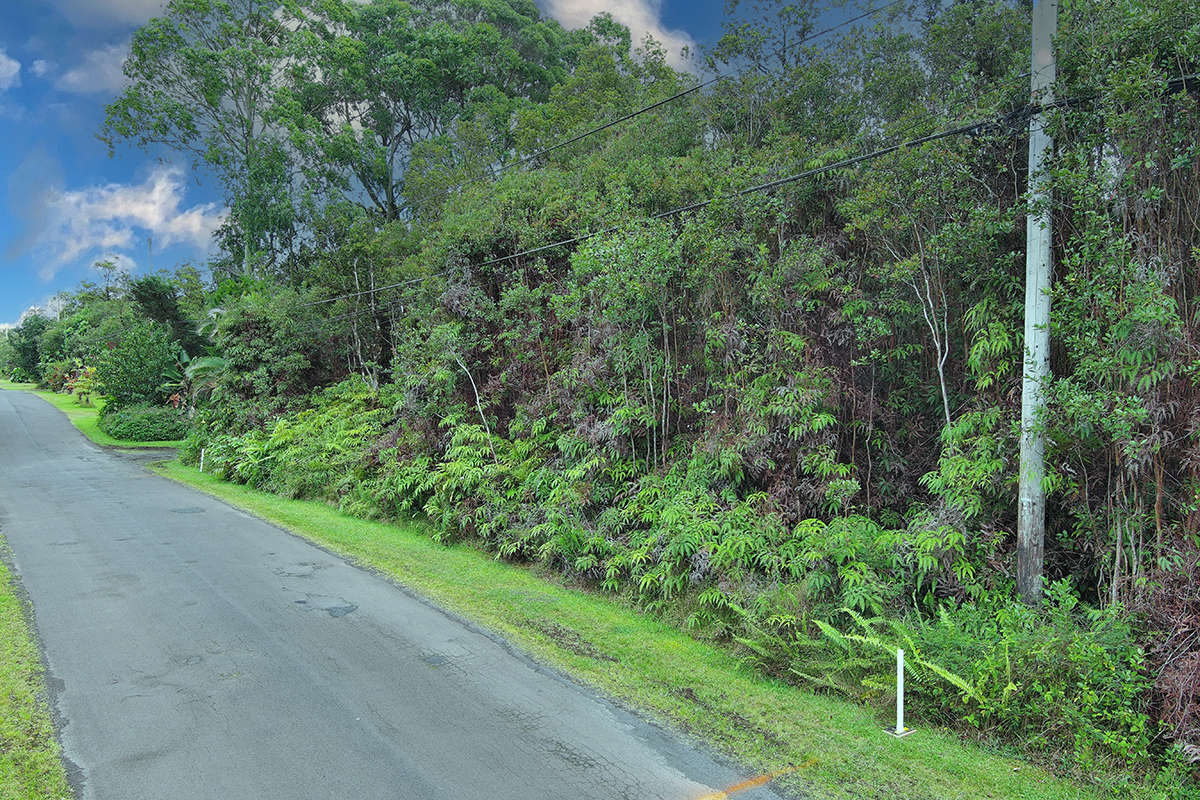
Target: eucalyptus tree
778	75
202	79
368	82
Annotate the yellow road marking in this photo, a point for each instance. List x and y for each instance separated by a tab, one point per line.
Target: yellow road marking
756	782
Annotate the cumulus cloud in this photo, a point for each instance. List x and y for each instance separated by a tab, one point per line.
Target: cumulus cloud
99	72
640	16
8	326
10	71
42	68
113	217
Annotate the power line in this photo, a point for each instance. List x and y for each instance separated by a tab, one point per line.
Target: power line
1002	123
580	137
921	119
849	162
1006	122
607	125
552	148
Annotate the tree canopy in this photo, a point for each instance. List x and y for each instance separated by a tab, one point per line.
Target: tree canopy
368	82
202	83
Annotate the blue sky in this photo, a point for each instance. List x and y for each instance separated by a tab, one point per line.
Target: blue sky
67	204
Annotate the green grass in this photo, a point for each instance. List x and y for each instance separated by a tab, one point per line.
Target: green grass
84	417
698	688
649	666
30	767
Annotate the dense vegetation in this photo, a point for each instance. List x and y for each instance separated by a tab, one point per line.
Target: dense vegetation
786	418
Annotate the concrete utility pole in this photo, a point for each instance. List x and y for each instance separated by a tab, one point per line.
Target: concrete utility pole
1031	508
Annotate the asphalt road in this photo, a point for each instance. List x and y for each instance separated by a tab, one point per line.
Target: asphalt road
194	651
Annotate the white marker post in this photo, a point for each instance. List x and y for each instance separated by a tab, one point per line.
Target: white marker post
202	459
900	729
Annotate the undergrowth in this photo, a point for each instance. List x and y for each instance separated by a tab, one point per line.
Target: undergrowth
822	603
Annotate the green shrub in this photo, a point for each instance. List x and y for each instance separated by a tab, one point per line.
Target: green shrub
196	441
1065	681
82	383
322	452
1064	677
319	453
132	370
144	423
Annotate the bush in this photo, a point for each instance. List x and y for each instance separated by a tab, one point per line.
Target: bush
323	452
1064	677
144	423
82	383
55	375
132	371
1066	682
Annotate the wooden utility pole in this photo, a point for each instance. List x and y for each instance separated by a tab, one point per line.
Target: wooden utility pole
1031	507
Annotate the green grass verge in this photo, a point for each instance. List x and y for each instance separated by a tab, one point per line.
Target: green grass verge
660	671
30	767
86	418
645	664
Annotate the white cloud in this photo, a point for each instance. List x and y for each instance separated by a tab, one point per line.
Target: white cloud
114	217
42	68
8	326
99	72
640	16
10	72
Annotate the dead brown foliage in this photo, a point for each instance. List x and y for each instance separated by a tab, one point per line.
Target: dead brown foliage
1170	603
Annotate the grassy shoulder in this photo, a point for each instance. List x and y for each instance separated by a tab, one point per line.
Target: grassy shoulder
30	767
86	418
660	671
643	663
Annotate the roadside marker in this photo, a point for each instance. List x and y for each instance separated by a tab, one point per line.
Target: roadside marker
900	729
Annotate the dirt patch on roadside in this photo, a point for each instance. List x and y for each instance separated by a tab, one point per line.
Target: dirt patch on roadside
571	641
734	719
142	455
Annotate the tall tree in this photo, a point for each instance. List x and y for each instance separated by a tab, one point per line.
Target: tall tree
109	273
158	299
369	81
202	78
25	340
